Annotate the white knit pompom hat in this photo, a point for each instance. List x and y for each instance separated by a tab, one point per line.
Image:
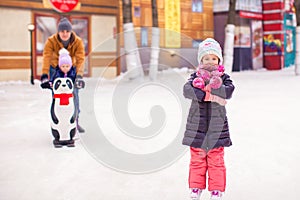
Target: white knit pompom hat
209	46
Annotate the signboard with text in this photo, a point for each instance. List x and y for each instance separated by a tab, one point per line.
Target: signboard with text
64	5
245	5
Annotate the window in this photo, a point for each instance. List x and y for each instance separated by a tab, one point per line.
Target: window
80	27
197	6
144	36
45	27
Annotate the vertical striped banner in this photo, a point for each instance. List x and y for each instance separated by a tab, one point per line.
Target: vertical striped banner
172	23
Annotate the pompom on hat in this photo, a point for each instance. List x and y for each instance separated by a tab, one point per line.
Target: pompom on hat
64	57
209	46
64	24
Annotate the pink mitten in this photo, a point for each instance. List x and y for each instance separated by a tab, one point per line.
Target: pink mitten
198	82
219	71
204	74
221	68
215	82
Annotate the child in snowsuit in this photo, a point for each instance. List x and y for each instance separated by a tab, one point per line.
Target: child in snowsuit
207	131
64	69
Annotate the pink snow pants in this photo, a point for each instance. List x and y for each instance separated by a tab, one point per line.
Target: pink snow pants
211	162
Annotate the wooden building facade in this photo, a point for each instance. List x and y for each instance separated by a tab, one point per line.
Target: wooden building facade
197	24
95	21
182	24
100	24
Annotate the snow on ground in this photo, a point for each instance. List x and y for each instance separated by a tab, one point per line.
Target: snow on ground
262	164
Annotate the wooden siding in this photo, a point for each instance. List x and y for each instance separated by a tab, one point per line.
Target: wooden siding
103	59
194	25
14	60
21	60
87	6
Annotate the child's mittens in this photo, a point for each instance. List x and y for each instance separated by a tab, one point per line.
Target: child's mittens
198	82
215	82
221	68
218	72
204	74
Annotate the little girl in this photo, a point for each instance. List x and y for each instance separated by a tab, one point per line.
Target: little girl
64	69
207	131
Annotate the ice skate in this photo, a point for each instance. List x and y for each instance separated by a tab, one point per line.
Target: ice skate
71	143
195	193
57	144
216	195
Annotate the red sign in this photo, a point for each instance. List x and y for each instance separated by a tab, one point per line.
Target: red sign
251	15
64	5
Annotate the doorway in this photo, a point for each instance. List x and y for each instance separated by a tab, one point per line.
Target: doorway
46	25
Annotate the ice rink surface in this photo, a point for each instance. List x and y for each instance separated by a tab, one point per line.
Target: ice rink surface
262	164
